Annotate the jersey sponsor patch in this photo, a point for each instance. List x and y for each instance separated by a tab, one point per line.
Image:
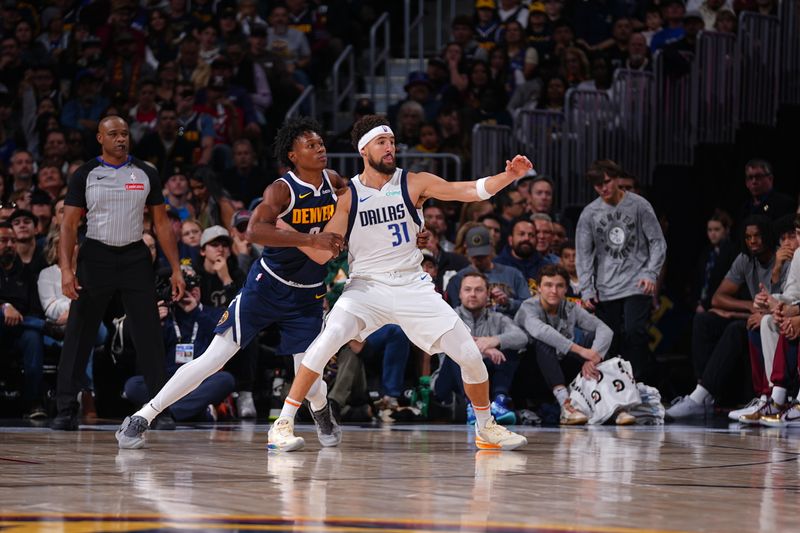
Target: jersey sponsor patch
134	186
223	318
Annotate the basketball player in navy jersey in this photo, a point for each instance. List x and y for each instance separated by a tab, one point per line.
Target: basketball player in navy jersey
283	287
387	285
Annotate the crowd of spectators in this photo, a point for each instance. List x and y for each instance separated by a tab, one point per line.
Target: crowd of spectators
204	86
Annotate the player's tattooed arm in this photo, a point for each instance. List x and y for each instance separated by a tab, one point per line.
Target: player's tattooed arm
262	228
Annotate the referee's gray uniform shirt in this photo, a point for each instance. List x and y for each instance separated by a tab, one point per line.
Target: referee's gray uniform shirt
115	197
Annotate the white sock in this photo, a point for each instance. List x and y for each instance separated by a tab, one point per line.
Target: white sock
699	395
779	395
191	375
482	415
318	395
561	394
290	408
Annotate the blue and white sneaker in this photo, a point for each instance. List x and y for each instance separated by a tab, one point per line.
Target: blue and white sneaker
500	411
471	418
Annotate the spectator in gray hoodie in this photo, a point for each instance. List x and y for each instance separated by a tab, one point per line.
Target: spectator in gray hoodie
498	338
566	337
620	252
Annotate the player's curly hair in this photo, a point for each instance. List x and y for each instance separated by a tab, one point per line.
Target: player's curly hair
364	125
291	130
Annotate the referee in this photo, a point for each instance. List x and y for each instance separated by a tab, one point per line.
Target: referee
113	189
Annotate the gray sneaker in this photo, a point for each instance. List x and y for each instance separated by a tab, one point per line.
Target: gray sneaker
329	432
130	434
685	407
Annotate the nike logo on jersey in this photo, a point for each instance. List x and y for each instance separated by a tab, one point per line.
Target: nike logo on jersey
304	195
364	199
102	177
318	296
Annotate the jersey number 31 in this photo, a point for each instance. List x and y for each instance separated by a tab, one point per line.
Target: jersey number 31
399	238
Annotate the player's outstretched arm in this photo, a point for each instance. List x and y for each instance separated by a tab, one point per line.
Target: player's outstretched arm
262	228
427	185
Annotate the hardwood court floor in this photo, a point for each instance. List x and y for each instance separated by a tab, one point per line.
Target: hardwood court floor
402	478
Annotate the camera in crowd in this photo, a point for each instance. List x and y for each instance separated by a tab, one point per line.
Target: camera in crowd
164	286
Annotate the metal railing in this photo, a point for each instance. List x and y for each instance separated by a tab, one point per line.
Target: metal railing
589	132
409	27
714	89
540	135
790	46
758	60
491	146
379	58
633	137
306	104
447	166
343	91
443	22
673	134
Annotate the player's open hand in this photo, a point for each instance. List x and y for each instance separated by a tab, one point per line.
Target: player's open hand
332	242
518	167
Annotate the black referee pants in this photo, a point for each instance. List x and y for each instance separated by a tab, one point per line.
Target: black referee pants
102	272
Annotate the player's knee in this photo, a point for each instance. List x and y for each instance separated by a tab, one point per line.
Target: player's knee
472	368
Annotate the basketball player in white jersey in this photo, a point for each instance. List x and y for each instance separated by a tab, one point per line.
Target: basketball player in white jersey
380	218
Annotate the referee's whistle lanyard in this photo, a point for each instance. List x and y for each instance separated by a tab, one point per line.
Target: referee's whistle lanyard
195	327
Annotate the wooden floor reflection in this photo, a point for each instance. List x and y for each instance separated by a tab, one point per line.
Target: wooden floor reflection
402	478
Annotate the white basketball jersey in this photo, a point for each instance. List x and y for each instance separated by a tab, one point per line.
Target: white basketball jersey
383	227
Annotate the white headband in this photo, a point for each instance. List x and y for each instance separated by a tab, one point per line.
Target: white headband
371	134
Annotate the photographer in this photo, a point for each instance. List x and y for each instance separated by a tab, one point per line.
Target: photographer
187	328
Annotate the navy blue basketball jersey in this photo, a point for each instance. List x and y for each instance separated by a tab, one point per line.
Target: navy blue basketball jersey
308	211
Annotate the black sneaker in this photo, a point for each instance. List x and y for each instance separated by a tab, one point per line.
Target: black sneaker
66	419
328	431
130	434
163	422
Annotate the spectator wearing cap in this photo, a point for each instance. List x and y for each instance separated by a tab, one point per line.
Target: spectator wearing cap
507	287
679	55
538	33
522	251
487	24
84	110
418	89
177	192
245	179
21	312
202	11
220	276
165	145
246	252
23	222
194	127
673	12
